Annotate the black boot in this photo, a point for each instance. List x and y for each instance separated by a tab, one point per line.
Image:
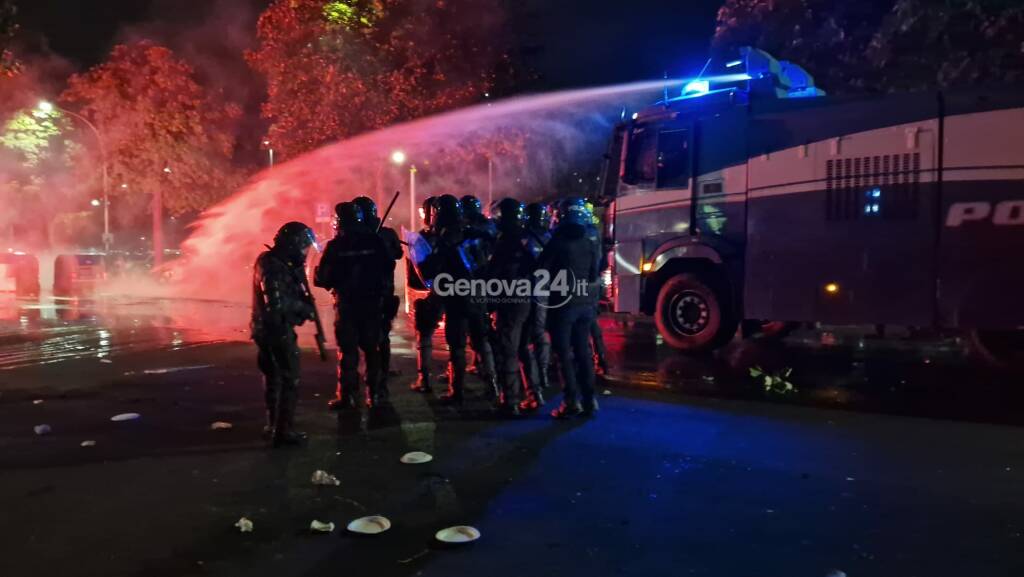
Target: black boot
545	381
508	398
382	395
284	430
270	393
533	401
376	394
346	399
457	378
590	408
566	411
268	429
492	390
422	384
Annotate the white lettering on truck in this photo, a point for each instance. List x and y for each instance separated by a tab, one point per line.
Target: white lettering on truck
1005	213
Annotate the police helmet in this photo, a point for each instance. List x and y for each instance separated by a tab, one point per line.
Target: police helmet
510	214
294	238
471	206
449	211
349	216
368	207
538	215
572	210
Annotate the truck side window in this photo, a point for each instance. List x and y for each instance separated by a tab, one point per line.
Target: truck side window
641	166
674	159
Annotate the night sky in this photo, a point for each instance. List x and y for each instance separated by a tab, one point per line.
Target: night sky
582	42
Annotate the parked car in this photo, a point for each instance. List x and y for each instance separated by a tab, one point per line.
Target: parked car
77	274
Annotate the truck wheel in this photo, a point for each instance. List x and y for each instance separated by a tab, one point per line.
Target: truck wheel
690	315
1000	349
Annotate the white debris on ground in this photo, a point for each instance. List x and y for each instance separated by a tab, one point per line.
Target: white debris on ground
416	458
372	525
320	527
324	478
42	429
89	443
37	402
125	417
245	525
221	426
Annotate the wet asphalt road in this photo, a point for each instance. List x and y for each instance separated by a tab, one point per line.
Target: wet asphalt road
893	457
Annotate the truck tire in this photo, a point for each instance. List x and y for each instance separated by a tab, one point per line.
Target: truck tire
1003	350
691	315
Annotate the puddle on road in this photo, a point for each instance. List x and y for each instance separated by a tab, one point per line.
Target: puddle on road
847	368
50	330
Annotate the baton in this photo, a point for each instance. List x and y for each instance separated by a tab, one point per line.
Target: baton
388	211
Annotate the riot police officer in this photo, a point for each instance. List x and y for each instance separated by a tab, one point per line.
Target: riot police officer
459	258
511	261
572	253
427	311
476	221
281	303
480	230
356	267
535	347
391	301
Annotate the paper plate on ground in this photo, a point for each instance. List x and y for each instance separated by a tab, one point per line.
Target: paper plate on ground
458	534
417	458
125	417
371	525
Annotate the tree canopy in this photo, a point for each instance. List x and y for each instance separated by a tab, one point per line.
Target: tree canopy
338	68
161	129
884	45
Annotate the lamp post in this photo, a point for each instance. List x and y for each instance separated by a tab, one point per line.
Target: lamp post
398	157
158	222
46	107
270	152
490	182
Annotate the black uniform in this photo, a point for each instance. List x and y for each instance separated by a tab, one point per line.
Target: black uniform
391	300
427	313
279	304
359	270
571	250
460	258
511	261
534	344
483	232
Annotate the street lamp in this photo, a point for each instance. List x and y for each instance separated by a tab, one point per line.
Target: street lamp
45	107
270	152
398	157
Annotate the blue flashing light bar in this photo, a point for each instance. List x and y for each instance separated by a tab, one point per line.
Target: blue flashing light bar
695	87
755	72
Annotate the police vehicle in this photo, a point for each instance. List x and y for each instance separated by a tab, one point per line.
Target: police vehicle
752	196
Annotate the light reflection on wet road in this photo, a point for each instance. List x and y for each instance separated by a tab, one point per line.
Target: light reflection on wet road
50	330
838	368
